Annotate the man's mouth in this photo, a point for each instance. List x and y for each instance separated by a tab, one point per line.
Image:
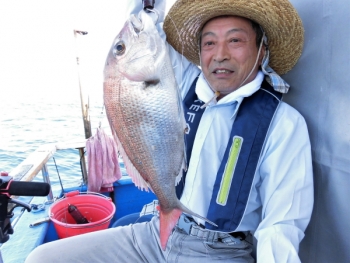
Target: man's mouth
222	71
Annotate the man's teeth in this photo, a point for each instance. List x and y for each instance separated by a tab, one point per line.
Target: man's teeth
222	71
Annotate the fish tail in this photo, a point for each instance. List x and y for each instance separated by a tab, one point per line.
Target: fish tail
167	222
188	211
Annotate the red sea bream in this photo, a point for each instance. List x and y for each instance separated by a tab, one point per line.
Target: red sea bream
144	109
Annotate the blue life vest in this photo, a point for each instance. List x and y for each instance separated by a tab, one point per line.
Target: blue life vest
236	173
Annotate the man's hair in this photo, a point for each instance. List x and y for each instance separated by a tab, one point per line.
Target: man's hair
256	27
258	32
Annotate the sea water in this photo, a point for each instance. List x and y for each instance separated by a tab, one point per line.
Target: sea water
28	122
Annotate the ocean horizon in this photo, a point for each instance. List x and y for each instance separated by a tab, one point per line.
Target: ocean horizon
26	124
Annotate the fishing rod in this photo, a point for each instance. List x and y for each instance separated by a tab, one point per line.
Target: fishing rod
9	187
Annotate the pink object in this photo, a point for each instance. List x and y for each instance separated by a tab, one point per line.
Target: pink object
103	165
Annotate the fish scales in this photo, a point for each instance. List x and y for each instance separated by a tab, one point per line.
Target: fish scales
157	127
145	113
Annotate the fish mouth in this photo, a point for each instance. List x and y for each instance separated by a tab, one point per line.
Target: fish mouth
136	24
151	82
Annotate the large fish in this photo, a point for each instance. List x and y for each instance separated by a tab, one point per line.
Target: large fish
144	109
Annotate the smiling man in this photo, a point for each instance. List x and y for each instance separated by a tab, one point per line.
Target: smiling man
229	55
248	152
250	168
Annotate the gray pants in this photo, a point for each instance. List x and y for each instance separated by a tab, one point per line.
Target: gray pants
139	243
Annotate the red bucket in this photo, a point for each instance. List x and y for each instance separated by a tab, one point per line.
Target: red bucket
96	208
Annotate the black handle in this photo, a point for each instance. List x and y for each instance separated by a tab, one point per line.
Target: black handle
148	4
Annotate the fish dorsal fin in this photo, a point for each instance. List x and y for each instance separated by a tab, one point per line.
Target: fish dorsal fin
130	168
183	168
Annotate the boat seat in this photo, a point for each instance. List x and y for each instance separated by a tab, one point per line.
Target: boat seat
131	219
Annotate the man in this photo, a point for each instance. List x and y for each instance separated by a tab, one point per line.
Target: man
250	163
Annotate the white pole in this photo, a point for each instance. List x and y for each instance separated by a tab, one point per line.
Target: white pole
83	98
84	107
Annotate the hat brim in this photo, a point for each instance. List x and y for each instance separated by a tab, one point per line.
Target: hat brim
278	18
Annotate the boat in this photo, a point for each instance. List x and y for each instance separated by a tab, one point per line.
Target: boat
319	90
35	227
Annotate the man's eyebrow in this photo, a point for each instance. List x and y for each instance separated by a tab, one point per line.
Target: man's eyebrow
208	34
233	30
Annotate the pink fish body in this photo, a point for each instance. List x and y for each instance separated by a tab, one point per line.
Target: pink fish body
144	109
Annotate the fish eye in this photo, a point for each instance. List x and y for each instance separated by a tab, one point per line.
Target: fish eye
119	48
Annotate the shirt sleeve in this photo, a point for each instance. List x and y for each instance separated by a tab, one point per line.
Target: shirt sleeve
185	71
286	188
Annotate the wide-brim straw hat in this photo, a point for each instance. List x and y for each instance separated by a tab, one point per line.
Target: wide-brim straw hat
278	18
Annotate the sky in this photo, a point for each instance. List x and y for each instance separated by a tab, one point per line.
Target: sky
38	49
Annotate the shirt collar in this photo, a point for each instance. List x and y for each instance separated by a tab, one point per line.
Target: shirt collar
205	93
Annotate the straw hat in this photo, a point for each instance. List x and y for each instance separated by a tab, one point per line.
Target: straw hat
278	18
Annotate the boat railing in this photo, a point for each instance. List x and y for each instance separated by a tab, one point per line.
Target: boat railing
35	162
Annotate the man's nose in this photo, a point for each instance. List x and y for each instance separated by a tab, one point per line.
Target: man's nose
222	53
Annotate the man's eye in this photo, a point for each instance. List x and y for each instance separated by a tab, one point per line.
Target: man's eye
234	40
209	43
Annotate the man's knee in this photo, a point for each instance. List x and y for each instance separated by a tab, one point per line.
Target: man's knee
39	254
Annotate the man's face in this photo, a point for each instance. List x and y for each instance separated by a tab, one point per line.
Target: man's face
228	53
